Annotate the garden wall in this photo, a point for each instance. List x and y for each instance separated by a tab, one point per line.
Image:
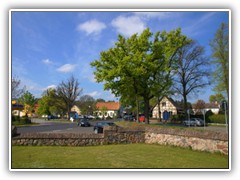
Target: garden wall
196	140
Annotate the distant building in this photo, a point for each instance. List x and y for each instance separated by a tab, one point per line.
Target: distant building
108	109
76	109
214	107
168	107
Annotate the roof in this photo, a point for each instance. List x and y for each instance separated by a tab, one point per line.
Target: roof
171	101
108	105
208	106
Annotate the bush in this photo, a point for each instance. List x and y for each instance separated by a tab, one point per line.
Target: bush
217	118
178	117
15	118
25	120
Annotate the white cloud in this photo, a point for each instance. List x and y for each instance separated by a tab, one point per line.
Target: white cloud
67	68
47	61
128	25
152	14
53	86
91	27
94	94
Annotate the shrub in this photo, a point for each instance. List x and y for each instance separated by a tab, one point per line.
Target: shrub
15	118
25	120
217	118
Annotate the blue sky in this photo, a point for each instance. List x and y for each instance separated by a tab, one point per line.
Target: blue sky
48	47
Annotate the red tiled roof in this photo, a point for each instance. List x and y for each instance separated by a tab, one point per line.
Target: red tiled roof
108	105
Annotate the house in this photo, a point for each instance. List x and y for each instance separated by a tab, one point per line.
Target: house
214	107
108	109
17	109
167	107
76	109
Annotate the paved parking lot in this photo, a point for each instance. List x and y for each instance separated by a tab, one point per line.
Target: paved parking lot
66	127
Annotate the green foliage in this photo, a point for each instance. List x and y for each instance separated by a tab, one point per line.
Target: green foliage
28	100
217	118
216	98
87	104
17	120
178	117
43	108
135	66
220	54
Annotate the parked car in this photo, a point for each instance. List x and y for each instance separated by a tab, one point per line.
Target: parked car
129	118
141	118
90	117
84	122
98	128
52	117
199	121
193	122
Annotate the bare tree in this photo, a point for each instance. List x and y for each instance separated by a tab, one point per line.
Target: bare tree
17	91
69	91
192	73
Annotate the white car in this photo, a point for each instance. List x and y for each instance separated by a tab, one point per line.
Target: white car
193	122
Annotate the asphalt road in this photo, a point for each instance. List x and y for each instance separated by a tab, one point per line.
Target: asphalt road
56	127
66	127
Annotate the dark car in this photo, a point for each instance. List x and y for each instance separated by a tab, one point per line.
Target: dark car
129	118
84	122
98	128
52	117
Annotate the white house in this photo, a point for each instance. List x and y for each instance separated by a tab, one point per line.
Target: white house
107	109
167	105
214	107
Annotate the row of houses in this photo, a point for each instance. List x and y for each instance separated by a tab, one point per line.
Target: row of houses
114	109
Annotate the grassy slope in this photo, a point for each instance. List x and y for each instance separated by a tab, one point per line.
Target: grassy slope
114	156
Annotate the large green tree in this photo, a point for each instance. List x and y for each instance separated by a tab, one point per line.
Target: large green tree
220	54
133	68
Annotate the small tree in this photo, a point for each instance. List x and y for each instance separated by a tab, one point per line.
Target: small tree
68	91
216	98
86	104
28	100
199	106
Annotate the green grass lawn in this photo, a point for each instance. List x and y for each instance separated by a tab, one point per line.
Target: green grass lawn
114	156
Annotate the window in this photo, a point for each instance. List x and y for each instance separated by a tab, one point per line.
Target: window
164	104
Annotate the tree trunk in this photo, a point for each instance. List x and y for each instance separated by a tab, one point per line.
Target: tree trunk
137	113
146	110
185	106
159	110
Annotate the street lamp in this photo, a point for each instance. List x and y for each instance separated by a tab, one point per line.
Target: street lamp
225	109
204	112
188	111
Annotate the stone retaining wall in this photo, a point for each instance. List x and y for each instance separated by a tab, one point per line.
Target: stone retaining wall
203	141
58	139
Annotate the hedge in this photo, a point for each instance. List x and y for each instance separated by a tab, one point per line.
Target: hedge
217	118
